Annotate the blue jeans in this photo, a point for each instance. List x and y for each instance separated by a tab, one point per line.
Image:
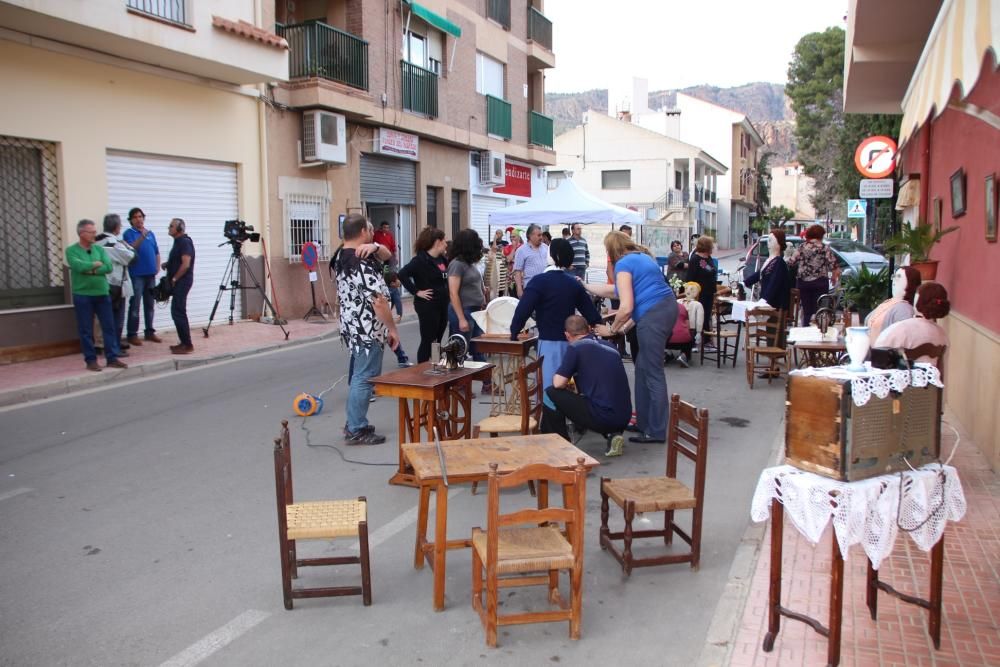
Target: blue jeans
85	307
178	310
119	309
652	405
396	300
473	332
143	291
553	352
365	364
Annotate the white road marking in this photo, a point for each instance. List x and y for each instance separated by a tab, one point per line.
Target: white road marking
213	641
398	524
14	492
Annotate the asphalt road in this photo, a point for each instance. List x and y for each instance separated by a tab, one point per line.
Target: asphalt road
137	527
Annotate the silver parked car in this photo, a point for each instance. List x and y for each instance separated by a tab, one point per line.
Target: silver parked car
851	255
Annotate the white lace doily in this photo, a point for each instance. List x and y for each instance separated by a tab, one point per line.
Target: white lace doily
878	381
865	512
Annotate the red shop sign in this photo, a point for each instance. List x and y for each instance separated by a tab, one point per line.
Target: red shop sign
518	181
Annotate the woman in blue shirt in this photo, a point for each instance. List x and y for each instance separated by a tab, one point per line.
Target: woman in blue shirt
646	299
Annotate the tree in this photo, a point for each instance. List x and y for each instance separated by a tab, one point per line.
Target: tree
779	215
828	137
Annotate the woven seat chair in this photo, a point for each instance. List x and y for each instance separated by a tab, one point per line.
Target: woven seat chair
316	520
765	333
724	337
529	398
687	434
516	547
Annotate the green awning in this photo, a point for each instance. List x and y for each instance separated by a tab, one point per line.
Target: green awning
436	20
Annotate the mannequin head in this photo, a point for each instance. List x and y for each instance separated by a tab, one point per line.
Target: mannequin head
905	282
692	290
931	300
776	242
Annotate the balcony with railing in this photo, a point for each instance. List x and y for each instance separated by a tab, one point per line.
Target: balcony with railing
171	11
540	129
499	11
498	121
316	49
539	28
420	89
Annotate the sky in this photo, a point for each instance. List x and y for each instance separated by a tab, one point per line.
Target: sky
680	43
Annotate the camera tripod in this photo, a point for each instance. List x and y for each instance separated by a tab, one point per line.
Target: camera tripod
231	278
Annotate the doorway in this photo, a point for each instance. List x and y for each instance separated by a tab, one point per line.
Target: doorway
400	219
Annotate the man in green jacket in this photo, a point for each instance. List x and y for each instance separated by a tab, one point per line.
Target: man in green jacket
88	267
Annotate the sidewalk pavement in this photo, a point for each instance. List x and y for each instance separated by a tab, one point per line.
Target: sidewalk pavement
970	632
33	380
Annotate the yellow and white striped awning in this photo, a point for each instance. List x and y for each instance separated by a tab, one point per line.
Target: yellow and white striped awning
963	32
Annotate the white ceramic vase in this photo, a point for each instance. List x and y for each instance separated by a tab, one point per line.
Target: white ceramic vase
858	343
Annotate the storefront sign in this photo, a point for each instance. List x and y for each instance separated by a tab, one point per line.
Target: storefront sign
518	180
399	144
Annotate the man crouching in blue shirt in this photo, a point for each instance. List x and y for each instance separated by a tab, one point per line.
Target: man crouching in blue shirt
602	402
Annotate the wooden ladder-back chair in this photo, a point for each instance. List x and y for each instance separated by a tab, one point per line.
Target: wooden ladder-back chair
725	338
687	435
935	352
316	520
765	340
528	541
530	397
794	308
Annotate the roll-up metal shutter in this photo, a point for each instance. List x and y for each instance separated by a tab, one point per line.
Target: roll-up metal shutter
481	209
388	181
204	195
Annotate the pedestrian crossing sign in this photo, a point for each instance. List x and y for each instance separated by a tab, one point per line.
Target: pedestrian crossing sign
857	208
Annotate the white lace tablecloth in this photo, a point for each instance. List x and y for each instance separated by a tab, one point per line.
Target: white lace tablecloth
867	512
877	381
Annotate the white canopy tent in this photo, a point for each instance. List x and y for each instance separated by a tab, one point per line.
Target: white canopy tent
565	205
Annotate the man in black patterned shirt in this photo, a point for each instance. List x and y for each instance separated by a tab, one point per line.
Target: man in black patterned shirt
366	322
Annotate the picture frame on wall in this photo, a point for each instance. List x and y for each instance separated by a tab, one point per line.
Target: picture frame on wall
991	208
958	193
937	211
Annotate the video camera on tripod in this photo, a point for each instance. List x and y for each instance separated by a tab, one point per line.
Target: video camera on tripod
237	231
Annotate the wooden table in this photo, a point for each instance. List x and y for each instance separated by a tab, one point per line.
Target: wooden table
469	461
430	398
509	357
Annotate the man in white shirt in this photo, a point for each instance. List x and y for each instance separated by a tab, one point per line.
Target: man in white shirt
530	259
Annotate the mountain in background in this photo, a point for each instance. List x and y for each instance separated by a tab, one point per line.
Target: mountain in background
764	103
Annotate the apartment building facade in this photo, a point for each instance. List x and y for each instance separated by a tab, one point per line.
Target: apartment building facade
414	114
731	137
110	104
671	183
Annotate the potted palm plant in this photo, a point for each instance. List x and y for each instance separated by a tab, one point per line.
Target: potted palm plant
863	290
917	242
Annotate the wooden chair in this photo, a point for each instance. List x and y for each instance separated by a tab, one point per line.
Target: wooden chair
935	352
527	541
765	340
726	339
794	308
688	435
316	520
530	399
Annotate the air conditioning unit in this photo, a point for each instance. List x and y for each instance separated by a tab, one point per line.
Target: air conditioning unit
492	168
324	137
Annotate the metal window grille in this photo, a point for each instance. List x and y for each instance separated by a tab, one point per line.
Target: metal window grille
432	198
307	218
31	246
168	10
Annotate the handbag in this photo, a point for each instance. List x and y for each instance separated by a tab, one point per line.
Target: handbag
163	289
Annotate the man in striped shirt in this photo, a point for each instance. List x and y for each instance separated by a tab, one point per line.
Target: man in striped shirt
581	252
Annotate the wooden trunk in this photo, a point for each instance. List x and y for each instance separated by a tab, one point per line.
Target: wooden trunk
826	433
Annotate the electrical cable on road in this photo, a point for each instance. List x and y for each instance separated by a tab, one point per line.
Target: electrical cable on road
302	427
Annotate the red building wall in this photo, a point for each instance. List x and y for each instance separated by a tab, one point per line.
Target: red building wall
969	266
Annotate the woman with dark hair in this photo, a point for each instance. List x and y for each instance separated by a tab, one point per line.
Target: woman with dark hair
677	261
775	284
701	270
931	304
646	299
815	262
426	278
465	288
899	307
